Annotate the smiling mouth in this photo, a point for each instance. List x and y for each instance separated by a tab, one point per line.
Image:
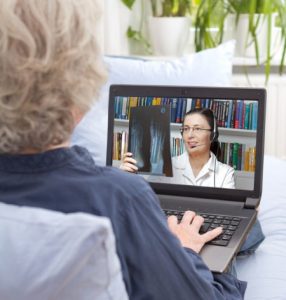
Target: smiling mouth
191	145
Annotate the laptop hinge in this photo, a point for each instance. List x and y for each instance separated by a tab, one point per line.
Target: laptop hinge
251	203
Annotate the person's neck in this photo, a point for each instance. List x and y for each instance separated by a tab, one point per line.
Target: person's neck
52	147
197	162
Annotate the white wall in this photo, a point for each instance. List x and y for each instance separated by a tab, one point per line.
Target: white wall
275	127
116	20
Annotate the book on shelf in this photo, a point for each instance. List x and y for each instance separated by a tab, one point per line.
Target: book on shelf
120	144
237	114
179	110
240	156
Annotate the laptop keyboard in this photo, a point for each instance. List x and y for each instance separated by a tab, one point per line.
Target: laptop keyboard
211	221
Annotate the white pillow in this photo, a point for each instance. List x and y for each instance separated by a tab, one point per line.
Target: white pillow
51	255
212	67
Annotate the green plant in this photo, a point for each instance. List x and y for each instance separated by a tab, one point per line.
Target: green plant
214	12
163	8
166	8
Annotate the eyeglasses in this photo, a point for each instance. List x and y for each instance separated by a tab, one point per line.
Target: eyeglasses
196	130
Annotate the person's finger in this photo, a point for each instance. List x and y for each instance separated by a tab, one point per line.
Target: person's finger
129	160
197	222
172	222
210	235
127	154
129	168
132	166
188	217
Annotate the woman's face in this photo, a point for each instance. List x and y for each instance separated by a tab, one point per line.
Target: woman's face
196	134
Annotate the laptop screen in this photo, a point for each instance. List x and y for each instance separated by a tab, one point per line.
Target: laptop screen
186	138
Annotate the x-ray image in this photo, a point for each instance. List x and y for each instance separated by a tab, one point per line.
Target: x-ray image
149	139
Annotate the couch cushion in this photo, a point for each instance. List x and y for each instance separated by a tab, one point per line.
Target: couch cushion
212	67
265	269
51	255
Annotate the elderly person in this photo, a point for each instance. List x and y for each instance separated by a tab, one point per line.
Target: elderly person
50	70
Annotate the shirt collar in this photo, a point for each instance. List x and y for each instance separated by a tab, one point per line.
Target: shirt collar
211	162
26	163
183	160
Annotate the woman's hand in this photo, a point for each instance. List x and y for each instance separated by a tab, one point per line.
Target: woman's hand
187	231
128	163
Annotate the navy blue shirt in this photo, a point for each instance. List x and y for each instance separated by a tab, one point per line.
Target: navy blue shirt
154	264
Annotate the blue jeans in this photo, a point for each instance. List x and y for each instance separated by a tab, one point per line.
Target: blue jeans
252	242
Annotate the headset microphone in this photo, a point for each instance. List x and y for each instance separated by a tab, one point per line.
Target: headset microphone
195	146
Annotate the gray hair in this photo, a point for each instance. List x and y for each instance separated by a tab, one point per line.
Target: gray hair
50	62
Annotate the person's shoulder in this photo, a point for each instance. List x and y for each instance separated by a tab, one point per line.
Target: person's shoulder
103	176
121	179
219	166
224	167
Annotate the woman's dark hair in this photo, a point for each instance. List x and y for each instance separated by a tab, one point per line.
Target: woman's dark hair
210	117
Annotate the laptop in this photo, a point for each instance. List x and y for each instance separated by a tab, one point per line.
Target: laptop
147	121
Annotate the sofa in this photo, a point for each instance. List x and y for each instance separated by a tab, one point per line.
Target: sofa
264	270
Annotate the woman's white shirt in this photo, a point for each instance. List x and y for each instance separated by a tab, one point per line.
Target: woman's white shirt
213	173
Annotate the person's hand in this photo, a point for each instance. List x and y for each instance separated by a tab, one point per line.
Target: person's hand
187	231
128	163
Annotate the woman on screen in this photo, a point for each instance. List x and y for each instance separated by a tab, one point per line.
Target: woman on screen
198	165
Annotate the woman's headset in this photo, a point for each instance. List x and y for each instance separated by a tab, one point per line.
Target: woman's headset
214	134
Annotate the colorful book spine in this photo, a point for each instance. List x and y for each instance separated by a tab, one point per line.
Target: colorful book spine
237	111
174	102
235	156
254	116
229	114
189	105
246	117
179	110
184	107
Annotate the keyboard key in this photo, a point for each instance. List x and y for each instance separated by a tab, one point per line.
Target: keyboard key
229	232
226	237
219	243
226	222
231	227
207	220
214	226
204	228
235	223
216	221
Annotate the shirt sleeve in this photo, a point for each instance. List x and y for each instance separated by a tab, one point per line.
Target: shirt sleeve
228	181
157	266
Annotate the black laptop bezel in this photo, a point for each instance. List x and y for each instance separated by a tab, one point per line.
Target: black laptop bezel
258	94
